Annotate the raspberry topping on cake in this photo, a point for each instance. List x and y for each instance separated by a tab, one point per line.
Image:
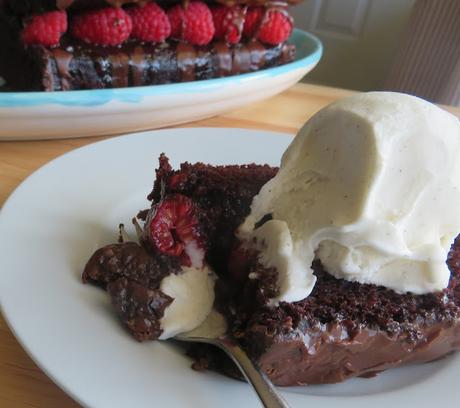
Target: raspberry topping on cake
193	24
228	22
276	27
269	25
150	23
45	29
174	230
107	26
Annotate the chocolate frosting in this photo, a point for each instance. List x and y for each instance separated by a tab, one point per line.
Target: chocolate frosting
132	276
331	355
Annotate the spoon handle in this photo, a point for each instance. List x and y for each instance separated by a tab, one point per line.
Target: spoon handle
259	381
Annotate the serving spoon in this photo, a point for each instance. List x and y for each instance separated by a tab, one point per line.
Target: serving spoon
213	331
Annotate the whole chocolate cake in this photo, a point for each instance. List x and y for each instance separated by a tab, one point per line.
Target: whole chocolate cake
343	329
57	45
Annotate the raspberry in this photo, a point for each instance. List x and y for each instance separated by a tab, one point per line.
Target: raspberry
107	26
192	24
174	230
276	27
253	18
150	23
228	23
271	26
45	29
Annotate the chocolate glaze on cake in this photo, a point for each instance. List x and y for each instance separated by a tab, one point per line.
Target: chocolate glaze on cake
132	276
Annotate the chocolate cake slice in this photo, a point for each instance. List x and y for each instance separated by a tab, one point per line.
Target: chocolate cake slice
342	330
73	63
80	66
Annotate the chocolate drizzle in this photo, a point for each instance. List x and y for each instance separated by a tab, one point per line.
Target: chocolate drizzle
63	60
224	59
186	60
241	60
120	70
137	65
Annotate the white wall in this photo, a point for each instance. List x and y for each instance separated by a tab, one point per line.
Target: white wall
360	38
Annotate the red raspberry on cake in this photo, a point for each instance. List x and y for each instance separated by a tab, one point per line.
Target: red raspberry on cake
251	23
271	26
45	29
150	23
174	230
228	23
107	26
193	24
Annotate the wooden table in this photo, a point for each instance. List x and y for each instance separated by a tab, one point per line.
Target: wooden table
22	383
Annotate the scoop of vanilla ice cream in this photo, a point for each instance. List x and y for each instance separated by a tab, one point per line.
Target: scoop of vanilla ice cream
193	294
371	187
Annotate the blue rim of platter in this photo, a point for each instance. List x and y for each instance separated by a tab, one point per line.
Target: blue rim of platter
309	51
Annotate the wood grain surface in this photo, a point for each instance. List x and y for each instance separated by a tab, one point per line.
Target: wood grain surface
22	383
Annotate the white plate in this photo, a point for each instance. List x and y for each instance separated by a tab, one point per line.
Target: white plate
51	115
55	220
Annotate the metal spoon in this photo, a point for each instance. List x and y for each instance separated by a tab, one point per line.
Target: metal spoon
213	331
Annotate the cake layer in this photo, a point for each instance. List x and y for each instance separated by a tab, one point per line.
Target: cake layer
25	7
75	65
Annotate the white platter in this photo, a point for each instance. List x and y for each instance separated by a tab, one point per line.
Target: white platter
52	115
54	221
